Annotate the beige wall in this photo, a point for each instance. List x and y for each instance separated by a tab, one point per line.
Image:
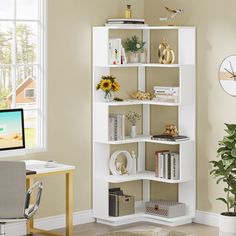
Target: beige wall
216	32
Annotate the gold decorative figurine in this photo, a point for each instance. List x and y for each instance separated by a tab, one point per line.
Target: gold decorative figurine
166	55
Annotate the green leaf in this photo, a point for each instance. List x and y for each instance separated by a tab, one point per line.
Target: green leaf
233	152
223	200
231	201
231	127
220	179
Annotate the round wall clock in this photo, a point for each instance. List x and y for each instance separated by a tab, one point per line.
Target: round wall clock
227	75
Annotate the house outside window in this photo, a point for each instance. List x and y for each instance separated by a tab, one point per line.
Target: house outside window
23	65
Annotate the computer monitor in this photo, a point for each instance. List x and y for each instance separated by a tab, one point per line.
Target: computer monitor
12	135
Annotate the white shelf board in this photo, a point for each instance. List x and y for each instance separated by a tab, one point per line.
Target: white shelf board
142	138
142	65
147	175
129	102
145	27
143	215
138	139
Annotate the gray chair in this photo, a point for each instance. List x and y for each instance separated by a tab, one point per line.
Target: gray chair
14	200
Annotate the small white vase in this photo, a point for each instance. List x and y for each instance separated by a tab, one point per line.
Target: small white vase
133	131
143	56
134	57
227	225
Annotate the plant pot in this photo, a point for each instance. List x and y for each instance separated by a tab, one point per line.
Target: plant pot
133	57
133	131
227	225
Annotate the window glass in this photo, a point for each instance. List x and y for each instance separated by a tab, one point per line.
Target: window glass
5	42
5	87
26	36
27	9
6	9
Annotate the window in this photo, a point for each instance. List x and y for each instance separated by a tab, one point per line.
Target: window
29	93
23	64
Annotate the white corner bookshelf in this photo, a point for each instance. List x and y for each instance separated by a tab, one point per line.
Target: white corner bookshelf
186	108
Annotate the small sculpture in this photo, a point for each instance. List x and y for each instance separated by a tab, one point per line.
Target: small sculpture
140	95
174	13
171	130
134	163
165	53
121	168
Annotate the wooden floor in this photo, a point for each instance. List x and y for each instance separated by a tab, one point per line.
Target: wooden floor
94	229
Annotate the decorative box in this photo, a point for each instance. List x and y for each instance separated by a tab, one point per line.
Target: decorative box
120	204
165	208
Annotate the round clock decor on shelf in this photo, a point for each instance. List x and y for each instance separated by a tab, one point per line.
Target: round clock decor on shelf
120	167
227	75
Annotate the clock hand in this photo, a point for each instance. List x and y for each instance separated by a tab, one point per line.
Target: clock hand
229	72
232	70
231	67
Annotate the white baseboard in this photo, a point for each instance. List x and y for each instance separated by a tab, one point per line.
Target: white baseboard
84	217
207	218
50	223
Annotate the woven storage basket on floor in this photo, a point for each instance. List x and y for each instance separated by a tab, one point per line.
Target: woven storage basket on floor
121	205
165	208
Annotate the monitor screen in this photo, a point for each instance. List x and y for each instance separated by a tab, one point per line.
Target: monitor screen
12	135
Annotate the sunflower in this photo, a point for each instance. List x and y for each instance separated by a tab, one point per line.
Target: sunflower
105	84
115	86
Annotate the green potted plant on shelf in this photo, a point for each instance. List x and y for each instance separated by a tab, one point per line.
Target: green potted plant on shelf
224	170
133	46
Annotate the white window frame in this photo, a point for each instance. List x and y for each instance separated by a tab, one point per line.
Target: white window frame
42	80
27	89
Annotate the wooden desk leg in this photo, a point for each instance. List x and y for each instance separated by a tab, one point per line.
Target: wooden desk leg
30	222
69	203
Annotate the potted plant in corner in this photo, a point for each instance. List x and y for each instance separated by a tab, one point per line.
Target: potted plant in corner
224	169
133	46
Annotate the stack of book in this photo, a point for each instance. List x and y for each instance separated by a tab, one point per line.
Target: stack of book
116	127
167	165
116	52
125	22
166	94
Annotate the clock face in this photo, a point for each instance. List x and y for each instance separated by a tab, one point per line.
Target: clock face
227	75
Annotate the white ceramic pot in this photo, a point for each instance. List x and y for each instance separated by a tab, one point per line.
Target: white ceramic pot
134	57
133	131
227	225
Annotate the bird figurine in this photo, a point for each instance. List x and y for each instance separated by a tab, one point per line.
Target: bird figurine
173	12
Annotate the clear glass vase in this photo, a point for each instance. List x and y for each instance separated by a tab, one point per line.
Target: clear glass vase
108	96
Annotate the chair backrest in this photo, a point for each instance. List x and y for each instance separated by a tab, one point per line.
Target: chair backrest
12	189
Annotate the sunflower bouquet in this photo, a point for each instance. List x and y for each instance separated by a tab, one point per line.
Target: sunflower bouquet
108	84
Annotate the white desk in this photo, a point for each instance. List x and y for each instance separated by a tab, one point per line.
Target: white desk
42	170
